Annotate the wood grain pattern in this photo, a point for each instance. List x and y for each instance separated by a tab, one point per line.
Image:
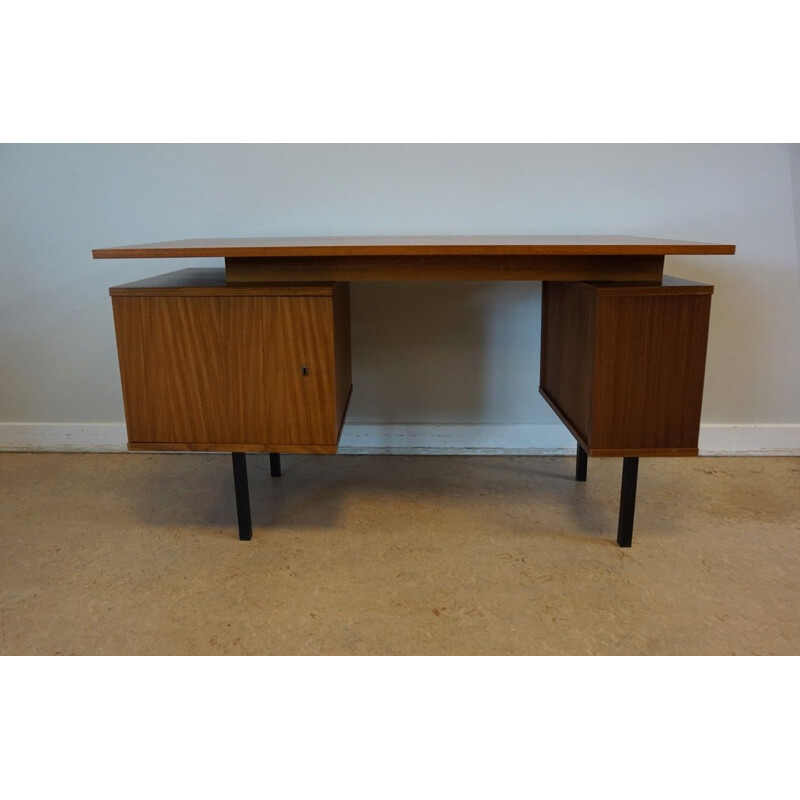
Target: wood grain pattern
204	372
667	285
233	447
302	407
649	366
211	282
188	367
413	246
252	271
567	353
342	350
645	452
623	367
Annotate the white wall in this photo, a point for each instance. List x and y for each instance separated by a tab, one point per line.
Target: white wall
430	353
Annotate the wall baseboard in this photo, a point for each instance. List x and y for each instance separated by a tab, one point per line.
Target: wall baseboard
358	438
750	440
56	437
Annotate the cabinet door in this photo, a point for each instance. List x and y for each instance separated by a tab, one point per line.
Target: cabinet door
224	371
650	355
299	397
623	364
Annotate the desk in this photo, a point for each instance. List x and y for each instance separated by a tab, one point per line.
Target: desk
256	357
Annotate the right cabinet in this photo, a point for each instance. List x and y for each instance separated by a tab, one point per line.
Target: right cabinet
623	364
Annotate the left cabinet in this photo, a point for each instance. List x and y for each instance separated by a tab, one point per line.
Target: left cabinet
207	366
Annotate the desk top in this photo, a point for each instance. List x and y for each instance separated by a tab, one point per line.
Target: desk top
321	246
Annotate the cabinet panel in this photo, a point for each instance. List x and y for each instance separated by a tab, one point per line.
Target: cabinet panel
235	372
650	361
300	400
623	364
567	359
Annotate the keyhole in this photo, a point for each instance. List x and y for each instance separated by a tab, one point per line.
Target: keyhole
305	370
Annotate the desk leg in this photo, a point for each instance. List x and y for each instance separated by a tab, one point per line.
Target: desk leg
275	465
627	501
580	464
242	496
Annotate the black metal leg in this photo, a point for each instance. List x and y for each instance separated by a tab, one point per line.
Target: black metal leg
242	496
275	465
580	464
627	501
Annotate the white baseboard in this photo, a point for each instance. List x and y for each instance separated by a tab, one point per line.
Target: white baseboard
55	437
358	438
750	440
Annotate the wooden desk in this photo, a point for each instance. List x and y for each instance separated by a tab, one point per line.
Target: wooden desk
256	357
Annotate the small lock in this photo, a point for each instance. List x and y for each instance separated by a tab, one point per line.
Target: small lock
305	370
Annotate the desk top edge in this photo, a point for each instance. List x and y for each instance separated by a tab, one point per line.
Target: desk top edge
306	247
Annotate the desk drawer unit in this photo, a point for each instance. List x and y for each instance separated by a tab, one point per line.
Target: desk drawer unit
209	367
622	364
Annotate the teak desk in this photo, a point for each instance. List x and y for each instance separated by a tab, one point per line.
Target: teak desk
256	358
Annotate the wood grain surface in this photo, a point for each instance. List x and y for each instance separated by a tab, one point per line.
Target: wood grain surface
648	375
623	367
413	245
252	271
342	350
205	372
233	447
211	282
567	354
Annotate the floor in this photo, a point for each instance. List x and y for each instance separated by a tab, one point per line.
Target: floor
396	555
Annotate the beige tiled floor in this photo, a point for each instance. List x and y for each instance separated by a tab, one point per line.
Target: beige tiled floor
138	554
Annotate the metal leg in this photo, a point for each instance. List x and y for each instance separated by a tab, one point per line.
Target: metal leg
580	464
627	501
275	465
242	496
